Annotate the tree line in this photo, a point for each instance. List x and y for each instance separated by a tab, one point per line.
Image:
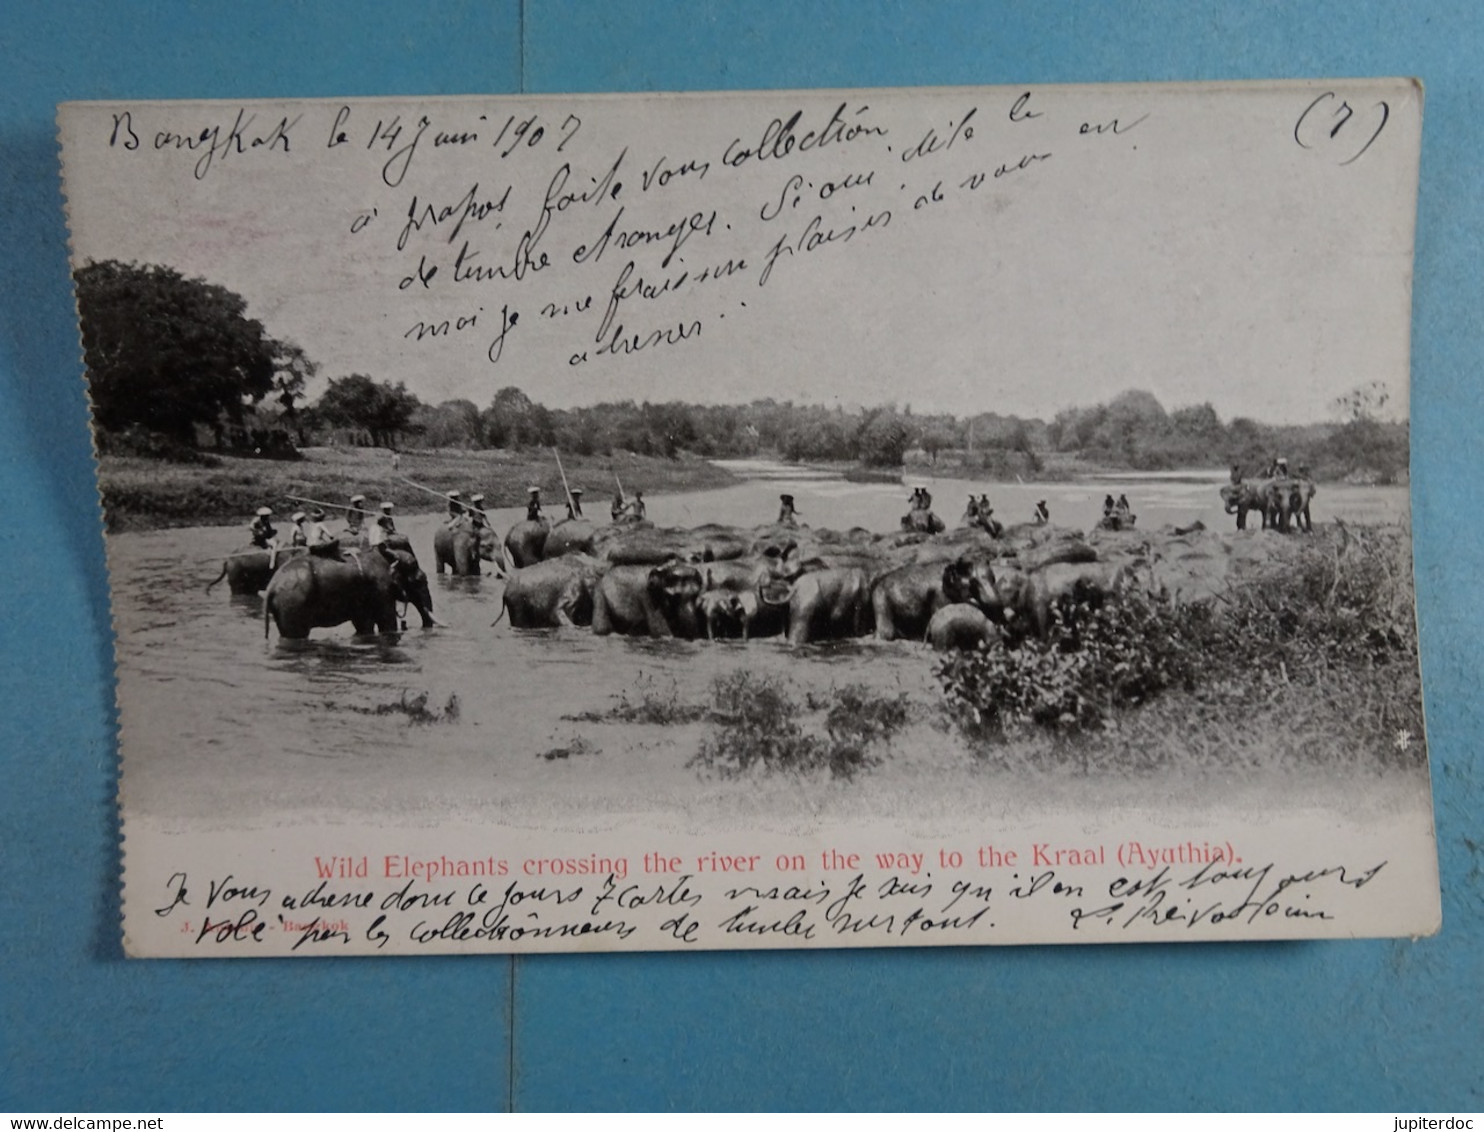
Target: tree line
179	360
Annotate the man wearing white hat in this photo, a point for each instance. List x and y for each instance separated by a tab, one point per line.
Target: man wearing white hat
385	525
300	537
533	505
353	515
455	508
574	505
264	534
319	534
476	511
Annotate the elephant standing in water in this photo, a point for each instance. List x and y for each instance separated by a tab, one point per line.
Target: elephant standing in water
363	587
461	546
553	593
905	599
249	570
731	605
657	600
527	540
823	605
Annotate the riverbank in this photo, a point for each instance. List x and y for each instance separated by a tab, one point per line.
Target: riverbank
1002	468
141	494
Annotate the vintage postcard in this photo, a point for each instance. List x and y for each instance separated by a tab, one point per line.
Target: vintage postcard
792	519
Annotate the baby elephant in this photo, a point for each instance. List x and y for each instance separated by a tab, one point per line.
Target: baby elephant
961	626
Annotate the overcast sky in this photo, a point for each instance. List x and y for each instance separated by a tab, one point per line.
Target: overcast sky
1212	246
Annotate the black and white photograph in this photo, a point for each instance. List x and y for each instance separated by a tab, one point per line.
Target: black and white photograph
768	520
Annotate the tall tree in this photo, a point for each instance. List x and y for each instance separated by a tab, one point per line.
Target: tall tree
385	411
166	352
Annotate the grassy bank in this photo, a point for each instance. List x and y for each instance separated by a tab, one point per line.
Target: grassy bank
147	494
988	468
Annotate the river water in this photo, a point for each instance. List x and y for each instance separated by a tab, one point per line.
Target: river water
224	729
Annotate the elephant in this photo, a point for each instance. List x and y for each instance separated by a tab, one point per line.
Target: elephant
570	536
723	614
652	546
716	542
741	613
1291	499
1066	583
923	522
461	546
1250	495
553	593
526	540
248	570
730	604
904	600
961	626
972	581
657	600
1071	549
363	587
828	604
740	574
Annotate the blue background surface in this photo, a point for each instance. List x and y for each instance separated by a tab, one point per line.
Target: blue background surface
1390	1025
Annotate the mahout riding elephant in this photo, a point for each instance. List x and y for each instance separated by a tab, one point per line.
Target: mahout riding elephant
904	600
526	540
462	546
1251	495
556	592
249	570
823	605
362	587
1069	583
961	626
657	600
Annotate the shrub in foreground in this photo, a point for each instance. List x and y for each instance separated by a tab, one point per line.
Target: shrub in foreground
758	728
1328	631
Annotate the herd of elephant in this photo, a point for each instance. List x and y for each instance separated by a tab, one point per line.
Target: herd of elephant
964	588
958	589
1281	501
